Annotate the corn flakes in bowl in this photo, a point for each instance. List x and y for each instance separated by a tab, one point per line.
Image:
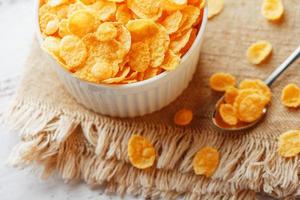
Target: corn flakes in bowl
122	58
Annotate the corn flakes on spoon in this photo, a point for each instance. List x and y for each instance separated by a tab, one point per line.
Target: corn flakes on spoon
222	125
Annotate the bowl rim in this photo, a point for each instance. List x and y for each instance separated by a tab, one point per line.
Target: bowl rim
163	75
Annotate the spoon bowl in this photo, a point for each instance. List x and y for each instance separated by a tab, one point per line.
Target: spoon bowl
221	125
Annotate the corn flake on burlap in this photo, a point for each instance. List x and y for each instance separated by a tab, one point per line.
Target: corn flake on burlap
62	136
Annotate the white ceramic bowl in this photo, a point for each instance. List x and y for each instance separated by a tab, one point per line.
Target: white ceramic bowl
135	99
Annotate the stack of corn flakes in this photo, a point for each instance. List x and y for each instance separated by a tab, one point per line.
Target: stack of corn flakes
119	41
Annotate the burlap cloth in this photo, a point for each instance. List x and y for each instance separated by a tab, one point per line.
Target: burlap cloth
62	136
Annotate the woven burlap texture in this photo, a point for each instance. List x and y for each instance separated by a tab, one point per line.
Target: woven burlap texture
62	136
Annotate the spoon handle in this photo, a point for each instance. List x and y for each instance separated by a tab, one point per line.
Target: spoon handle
294	56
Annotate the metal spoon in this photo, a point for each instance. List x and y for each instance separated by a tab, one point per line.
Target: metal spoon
216	118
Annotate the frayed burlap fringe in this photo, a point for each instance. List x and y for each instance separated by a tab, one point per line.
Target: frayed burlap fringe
96	151
74	159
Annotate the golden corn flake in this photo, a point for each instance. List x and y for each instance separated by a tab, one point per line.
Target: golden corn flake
206	161
258	85
178	43
104	10
81	23
139	57
146	9
123	36
109	50
243	93
44	9
85	73
123	14
140	28
258	52
221	81
173	5
76	7
171	61
183	117
51	44
158	44
190	15
272	9
102	70
250	108
172	22
289	143
189	44
249	104
52	27
228	114
214	7
63	28
106	31
91	41
44	21
230	94
121	76
73	51
60	11
290	96
141	152
100	75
